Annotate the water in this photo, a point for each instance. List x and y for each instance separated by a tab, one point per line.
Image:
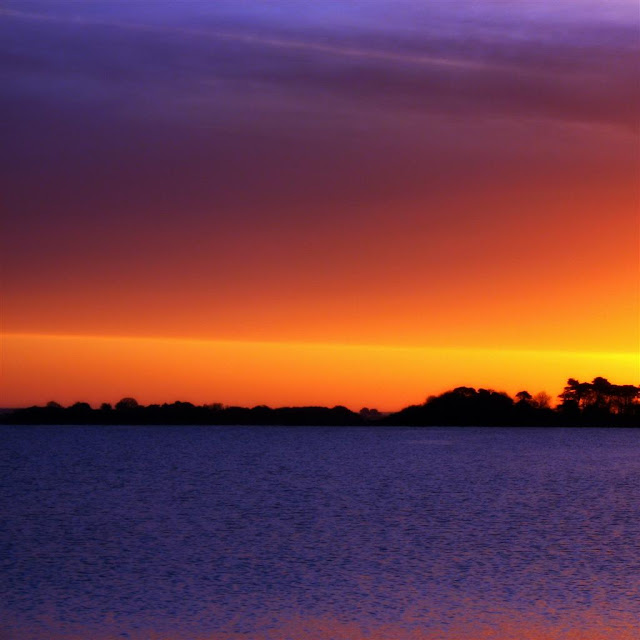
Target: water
272	533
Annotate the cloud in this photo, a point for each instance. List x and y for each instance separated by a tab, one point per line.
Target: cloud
448	66
270	42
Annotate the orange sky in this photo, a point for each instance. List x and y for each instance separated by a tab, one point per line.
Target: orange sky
358	220
153	370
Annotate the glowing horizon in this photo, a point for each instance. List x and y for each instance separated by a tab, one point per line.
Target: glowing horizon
344	179
98	369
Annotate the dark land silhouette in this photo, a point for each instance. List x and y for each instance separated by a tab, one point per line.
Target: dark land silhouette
595	403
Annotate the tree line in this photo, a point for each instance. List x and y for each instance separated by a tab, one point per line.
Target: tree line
595	403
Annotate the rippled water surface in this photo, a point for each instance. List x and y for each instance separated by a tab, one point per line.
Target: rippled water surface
319	533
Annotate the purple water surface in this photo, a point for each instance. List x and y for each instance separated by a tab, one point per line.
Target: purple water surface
268	532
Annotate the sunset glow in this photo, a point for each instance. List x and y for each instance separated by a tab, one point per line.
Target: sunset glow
320	319
156	370
317	203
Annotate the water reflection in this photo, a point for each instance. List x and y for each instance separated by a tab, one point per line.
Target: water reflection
504	626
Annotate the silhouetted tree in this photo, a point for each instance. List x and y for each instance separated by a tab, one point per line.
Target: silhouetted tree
575	393
600	394
80	406
523	397
542	400
599	399
127	404
626	399
370	414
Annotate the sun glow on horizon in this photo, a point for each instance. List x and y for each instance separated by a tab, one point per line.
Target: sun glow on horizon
399	199
38	368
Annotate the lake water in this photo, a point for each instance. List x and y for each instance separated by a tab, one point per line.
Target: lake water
268	533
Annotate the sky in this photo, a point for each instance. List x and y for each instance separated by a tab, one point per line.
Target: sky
358	202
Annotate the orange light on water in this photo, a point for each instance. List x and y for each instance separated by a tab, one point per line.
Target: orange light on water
502	625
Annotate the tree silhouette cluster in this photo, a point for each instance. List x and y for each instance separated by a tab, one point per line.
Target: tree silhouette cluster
582	404
599	398
596	403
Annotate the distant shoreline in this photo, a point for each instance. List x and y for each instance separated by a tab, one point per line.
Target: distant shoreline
551	427
583	404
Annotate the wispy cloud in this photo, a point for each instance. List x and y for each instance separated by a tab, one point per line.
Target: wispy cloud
437	68
293	45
